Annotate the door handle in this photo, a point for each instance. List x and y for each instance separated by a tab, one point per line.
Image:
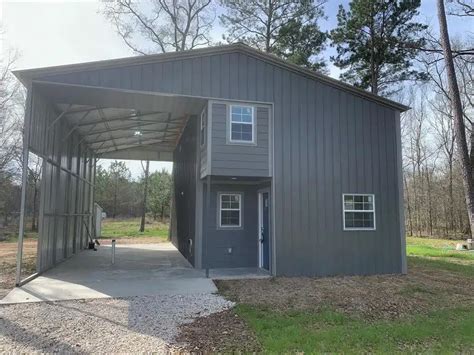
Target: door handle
261	234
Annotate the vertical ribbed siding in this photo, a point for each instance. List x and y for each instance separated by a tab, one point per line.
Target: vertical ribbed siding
327	142
184	181
59	234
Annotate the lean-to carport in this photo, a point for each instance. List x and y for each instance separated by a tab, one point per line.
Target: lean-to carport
70	127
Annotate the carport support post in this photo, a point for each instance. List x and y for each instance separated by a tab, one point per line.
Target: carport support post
24	186
113	251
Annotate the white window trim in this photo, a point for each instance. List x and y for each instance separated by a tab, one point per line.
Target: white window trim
203	126
358	211
238	141
230	209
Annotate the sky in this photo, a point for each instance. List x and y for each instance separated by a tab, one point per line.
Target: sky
59	32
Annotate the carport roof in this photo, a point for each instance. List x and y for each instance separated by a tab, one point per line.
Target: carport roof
28	75
122	124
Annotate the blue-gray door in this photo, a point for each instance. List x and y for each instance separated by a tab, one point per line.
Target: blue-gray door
265	231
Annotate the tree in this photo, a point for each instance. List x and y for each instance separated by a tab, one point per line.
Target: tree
260	24
114	190
164	25
463	8
442	109
35	168
466	158
146	171
11	113
160	193
376	43
300	44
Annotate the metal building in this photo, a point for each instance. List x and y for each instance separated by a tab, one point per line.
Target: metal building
275	166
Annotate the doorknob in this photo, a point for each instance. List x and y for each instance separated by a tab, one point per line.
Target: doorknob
261	234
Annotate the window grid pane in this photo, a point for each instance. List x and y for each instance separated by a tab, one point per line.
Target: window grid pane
359	212
230	210
242	132
241	124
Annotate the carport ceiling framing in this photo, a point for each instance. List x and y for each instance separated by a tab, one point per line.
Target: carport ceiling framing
108	129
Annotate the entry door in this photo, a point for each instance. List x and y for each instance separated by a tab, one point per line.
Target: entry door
265	230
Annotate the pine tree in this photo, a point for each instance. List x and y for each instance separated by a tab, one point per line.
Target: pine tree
260	23
376	43
301	43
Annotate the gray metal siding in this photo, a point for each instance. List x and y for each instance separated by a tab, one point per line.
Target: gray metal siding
231	159
243	241
203	146
326	141
185	177
65	199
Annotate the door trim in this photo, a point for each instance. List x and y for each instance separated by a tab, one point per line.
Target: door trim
260	224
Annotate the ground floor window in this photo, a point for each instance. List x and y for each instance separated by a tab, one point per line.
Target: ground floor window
359	211
230	208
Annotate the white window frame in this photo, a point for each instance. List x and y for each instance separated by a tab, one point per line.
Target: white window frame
203	126
253	125
357	211
230	209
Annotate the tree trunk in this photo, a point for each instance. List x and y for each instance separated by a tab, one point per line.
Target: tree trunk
35	197
410	219
373	72
430	202
459	127
451	195
114	211
268	32
145	193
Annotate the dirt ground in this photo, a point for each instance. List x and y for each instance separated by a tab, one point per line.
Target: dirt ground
370	298
223	332
8	263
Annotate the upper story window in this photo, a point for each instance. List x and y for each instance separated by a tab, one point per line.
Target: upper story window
230	209
242	124
203	127
359	211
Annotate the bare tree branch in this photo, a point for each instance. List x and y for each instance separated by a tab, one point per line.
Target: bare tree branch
161	25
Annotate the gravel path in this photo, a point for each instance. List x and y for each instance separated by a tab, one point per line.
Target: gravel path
135	324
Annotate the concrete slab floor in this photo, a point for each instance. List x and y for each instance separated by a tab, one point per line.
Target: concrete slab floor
238	273
147	269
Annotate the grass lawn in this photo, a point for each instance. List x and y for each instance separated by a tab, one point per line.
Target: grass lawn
330	331
128	229
430	310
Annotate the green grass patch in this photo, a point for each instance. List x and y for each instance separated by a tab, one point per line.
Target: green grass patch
329	331
129	229
433	242
440	254
434	252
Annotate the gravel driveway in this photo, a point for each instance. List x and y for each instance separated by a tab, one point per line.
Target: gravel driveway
134	324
